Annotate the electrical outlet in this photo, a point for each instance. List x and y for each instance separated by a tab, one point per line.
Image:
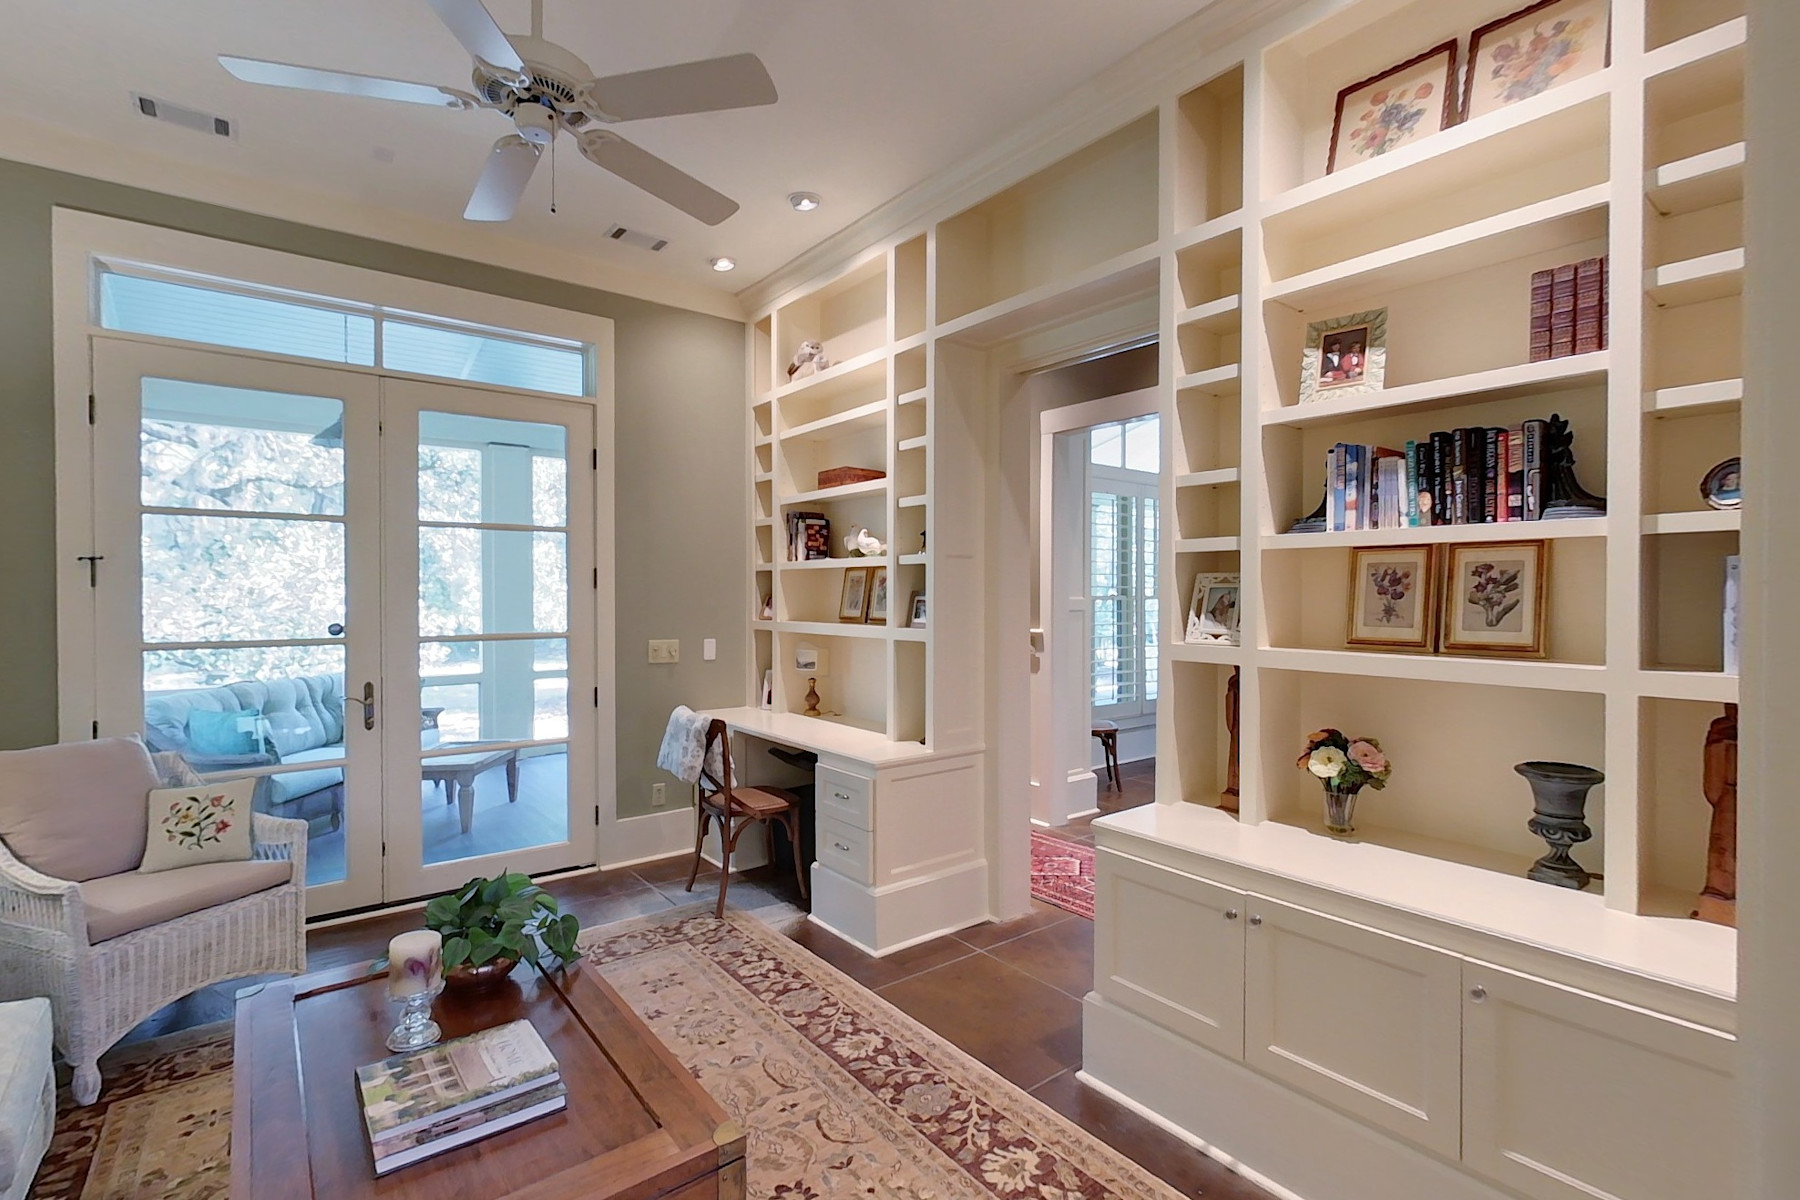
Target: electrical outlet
667	651
659	795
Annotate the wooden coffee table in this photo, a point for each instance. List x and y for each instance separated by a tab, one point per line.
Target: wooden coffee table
637	1126
458	772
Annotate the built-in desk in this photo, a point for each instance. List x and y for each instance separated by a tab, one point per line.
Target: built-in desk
899	828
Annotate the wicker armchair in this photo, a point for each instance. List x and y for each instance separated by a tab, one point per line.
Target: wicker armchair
100	989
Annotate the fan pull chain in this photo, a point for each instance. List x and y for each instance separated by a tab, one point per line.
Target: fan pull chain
553	174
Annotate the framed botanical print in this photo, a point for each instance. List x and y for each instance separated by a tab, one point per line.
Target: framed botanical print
853	601
1393	599
878	596
1400	106
1493	599
1535	49
1344	356
1213	609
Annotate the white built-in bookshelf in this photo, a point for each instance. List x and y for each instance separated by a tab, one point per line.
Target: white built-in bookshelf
1211	222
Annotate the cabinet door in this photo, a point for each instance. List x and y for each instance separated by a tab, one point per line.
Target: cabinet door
1363	1020
1568	1096
1170	948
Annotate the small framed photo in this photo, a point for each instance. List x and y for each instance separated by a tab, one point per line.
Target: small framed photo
1535	49
1393	599
1493	599
853	601
1213	609
1344	356
810	659
878	596
1396	108
915	611
1723	486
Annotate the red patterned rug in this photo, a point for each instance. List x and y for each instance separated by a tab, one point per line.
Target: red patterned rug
1062	873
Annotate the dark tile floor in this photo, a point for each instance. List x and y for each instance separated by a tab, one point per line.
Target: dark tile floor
1006	993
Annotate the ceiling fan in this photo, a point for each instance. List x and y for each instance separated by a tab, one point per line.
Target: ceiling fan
543	88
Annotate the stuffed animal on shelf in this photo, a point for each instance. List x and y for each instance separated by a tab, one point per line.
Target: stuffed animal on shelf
809	359
863	544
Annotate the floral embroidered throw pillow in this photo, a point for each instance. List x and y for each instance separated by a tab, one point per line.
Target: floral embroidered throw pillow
194	825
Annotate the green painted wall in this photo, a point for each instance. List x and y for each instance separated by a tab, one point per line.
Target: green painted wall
680	458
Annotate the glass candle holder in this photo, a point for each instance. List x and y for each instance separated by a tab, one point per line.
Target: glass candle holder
415	977
416	1029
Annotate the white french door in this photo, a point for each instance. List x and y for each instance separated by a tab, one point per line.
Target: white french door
374	595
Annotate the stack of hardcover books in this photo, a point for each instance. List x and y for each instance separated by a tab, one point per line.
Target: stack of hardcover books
428	1101
1470	476
1569	310
808	536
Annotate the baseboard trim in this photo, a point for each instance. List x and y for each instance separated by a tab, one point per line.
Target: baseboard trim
646	838
1201	1144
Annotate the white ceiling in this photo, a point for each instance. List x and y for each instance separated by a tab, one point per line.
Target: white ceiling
876	96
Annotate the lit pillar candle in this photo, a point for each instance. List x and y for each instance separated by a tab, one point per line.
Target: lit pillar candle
415	963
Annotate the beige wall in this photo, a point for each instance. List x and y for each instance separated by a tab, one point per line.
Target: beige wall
681	458
1769	816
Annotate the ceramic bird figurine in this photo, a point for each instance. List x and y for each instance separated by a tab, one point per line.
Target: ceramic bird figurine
863	544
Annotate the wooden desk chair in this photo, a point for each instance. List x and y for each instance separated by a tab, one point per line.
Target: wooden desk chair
1108	733
737	808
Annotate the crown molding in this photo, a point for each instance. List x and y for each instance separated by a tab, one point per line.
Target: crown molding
41	145
1117	95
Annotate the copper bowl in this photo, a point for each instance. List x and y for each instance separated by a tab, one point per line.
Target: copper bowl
468	978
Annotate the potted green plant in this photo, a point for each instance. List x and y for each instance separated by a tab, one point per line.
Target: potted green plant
489	925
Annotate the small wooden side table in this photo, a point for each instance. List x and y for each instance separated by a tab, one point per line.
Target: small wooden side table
637	1125
1108	733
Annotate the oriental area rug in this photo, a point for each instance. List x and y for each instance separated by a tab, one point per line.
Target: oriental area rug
840	1093
1062	873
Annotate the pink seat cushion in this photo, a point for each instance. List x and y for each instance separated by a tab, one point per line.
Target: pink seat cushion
119	904
77	810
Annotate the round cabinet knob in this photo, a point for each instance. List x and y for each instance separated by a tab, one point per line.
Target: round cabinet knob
1255	920
1478	993
1231	914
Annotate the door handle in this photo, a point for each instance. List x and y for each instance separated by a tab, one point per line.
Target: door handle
367	700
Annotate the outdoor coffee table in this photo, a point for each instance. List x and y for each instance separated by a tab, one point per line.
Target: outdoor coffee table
637	1125
457	772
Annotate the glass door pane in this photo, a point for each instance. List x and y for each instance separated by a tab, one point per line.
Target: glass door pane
236	526
494	631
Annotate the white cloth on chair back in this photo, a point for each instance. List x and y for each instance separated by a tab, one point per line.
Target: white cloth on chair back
683	745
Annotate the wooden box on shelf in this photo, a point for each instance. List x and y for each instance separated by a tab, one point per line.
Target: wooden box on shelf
839	476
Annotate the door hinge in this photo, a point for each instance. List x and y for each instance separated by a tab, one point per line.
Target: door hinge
596	814
93	561
96	729
596	578
90	408
596	460
596	697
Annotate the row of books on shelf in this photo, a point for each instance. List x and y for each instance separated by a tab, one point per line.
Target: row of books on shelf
808	536
1470	476
1569	310
424	1102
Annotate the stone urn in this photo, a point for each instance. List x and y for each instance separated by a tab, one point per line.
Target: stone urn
1559	794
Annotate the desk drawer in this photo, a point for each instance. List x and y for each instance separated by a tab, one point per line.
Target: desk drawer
846	798
845	849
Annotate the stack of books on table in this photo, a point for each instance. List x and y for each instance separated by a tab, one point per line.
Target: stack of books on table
432	1100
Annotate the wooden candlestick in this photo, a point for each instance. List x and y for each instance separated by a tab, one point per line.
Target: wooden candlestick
812	699
1228	799
1718	902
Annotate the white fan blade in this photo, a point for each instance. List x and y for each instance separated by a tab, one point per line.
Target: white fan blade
736	81
509	167
312	79
474	27
611	152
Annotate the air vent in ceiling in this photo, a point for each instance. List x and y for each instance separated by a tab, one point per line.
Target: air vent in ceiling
633	237
187	118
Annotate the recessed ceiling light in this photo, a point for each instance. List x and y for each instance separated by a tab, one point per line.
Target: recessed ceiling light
804	201
723	263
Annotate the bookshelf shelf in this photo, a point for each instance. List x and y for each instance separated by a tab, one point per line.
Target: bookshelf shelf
911	502
1673	683
1696	280
915	443
827	564
1132	273
1206	545
1218	381
1439	668
867	487
848	629
1503	383
1500	531
864	416
916	396
1696	398
912	560
1217	653
1704	521
1700	181
1206	479
910	635
1720	49
1224	315
832	376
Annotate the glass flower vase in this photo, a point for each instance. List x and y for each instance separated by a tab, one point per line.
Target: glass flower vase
1340	808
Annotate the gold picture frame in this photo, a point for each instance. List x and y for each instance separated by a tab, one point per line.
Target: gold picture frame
1493	599
853	599
877	610
1393	599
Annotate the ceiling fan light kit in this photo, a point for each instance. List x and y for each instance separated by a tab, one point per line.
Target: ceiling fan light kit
804	201
545	88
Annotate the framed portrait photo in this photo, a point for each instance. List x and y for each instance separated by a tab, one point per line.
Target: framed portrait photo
1393	599
853	601
1535	49
1396	108
1493	599
1344	356
878	596
1723	487
1213	609
915	611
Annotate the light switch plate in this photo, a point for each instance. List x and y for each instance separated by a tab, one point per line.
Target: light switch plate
659	795
709	649
665	651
